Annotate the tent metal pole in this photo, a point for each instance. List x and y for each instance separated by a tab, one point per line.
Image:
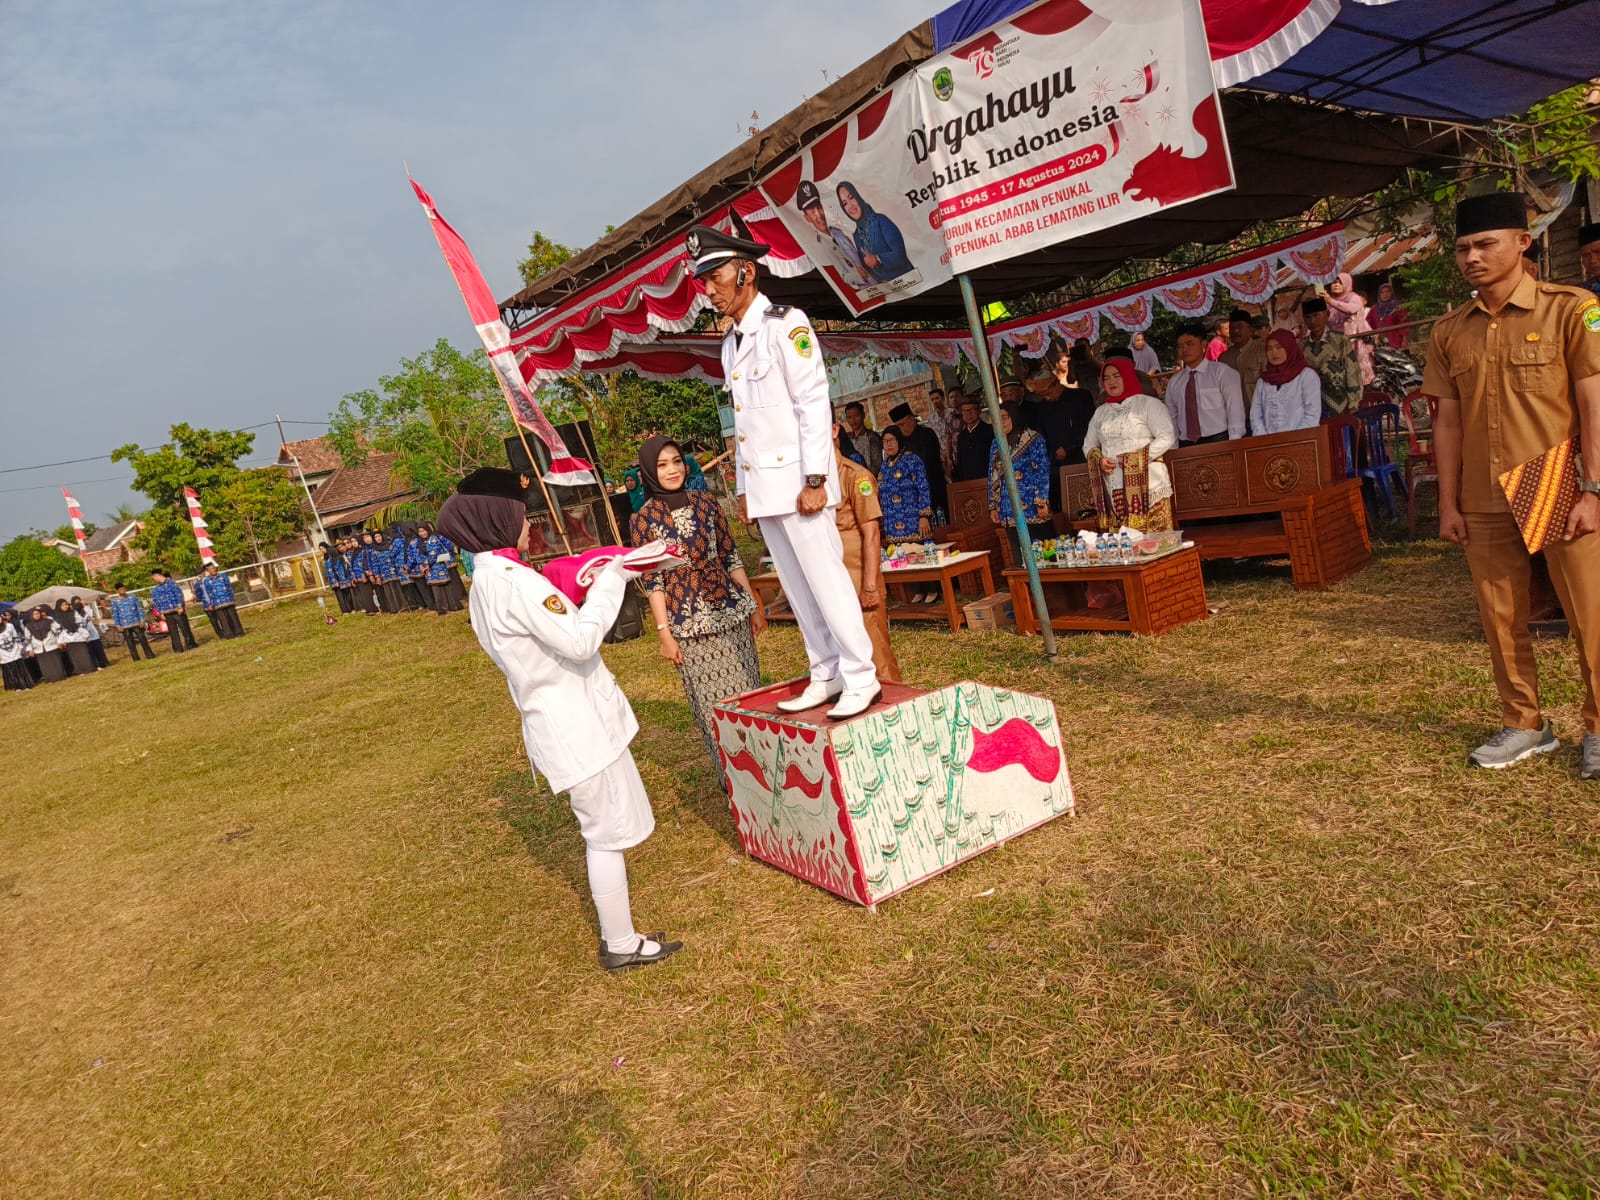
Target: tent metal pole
991	398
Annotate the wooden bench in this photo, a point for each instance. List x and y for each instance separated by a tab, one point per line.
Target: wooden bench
1261	497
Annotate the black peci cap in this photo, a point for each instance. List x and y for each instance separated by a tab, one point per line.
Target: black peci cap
1312	305
1497	210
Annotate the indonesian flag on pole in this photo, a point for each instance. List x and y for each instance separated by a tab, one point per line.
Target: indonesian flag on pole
76	514
198	520
485	313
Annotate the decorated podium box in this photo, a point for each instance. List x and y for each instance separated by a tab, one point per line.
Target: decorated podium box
870	806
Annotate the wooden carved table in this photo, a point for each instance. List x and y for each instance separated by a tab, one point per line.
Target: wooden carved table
969	565
1157	596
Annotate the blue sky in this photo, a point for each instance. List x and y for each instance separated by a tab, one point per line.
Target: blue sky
205	217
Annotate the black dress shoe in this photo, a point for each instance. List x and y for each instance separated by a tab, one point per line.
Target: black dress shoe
633	958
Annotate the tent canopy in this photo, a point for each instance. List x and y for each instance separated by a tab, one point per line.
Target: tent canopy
1291	145
60	591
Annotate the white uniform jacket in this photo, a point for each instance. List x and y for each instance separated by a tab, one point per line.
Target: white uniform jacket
782	416
575	719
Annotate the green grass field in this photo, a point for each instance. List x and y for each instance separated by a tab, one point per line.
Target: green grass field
287	917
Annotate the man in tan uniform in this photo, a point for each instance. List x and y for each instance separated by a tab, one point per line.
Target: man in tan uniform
1246	354
858	516
1517	372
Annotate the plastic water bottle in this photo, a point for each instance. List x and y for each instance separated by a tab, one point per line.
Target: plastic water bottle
1125	547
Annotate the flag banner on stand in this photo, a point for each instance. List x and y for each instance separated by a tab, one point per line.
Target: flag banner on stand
76	514
198	519
485	313
1070	117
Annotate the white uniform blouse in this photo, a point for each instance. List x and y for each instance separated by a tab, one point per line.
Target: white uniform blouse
575	720
1280	407
1118	429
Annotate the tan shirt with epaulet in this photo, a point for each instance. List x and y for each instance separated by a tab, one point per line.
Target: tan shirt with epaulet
1513	373
858	505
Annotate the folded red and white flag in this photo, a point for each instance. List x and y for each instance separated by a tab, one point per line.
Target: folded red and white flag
575	574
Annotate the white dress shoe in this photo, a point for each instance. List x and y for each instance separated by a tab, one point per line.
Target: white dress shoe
817	691
855	701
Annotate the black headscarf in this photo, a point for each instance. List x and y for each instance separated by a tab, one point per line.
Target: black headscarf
1013	410
65	617
649	459
39	627
479	524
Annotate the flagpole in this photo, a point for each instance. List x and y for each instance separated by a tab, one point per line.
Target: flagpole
533	469
1047	633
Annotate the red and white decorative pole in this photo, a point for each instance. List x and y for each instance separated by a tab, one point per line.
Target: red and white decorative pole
76	514
198	520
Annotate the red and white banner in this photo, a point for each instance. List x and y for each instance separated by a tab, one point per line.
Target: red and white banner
485	314
76	515
198	519
1070	117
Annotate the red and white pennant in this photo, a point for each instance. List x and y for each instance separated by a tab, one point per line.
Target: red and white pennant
76	514
198	520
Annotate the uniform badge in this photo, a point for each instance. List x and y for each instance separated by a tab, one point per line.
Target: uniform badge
865	487
555	605
1531	337
692	245
1591	317
802	341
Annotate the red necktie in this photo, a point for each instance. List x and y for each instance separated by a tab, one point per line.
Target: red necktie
1191	409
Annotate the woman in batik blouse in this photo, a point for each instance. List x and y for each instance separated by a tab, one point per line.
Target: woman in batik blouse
706	613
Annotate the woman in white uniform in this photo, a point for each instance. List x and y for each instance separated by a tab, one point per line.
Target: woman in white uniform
576	723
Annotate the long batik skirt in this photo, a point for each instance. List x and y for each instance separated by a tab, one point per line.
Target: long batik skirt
715	667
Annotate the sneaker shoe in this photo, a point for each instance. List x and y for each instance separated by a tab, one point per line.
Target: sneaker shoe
1511	746
1589	767
817	691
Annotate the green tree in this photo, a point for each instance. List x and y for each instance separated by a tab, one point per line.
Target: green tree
206	460
624	408
442	415
544	256
262	508
26	567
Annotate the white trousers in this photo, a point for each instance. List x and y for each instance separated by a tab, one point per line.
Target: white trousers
810	562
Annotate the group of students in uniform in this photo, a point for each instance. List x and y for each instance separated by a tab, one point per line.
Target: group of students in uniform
45	644
412	566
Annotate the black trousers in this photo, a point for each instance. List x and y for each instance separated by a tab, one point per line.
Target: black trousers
225	620
97	651
178	630
133	637
1208	439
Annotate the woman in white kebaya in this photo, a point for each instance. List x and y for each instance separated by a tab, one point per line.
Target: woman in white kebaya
576	723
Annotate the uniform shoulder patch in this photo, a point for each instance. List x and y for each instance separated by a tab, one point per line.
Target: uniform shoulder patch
864	486
1591	316
556	605
800	337
776	312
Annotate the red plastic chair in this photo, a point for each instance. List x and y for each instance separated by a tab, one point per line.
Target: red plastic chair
1344	444
1421	464
1373	396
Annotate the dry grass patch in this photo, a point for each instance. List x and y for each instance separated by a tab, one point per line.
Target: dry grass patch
288	917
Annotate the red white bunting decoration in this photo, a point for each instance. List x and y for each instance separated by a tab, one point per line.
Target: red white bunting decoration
76	514
565	468
198	520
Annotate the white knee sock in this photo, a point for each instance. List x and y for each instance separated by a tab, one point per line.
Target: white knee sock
608	884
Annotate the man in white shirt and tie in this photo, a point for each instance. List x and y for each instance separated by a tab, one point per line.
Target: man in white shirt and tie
1205	397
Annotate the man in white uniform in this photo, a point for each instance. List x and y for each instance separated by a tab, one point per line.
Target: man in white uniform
784	461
